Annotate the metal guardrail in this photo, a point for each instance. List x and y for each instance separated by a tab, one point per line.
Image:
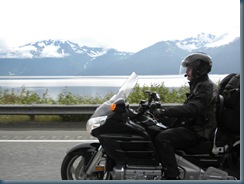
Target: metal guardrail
39	109
47	109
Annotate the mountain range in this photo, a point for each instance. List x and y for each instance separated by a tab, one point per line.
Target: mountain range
63	57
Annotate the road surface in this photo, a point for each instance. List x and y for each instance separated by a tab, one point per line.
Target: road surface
36	154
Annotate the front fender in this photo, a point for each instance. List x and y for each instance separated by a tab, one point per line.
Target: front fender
84	147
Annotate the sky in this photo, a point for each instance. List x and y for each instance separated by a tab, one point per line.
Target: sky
126	25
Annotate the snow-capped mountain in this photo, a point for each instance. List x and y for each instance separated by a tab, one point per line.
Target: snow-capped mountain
201	40
225	38
63	57
204	40
65	48
54	49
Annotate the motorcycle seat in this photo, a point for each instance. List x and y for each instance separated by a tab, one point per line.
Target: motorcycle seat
205	147
219	145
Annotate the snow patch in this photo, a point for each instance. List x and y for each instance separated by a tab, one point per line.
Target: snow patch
52	51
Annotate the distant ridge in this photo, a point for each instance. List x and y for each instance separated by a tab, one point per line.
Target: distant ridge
63	57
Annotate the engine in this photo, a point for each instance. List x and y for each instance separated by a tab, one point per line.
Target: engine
136	173
127	172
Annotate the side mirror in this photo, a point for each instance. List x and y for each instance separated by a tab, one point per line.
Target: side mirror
156	96
147	92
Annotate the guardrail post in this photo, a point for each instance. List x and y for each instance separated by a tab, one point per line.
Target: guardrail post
32	117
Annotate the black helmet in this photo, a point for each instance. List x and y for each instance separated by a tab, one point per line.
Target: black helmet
200	62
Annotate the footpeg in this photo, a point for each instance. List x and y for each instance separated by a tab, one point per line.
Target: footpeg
213	173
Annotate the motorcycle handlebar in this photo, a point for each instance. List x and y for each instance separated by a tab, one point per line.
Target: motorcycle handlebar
152	104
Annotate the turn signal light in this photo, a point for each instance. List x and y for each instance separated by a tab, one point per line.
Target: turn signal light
118	106
99	168
113	107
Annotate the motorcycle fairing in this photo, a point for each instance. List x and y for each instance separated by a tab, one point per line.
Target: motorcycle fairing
126	142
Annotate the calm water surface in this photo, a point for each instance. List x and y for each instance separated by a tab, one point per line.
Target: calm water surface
89	85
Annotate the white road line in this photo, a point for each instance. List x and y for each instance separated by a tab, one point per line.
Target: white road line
47	141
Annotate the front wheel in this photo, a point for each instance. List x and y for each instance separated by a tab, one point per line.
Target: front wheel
73	166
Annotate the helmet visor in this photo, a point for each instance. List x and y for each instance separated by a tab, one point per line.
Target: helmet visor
183	67
182	70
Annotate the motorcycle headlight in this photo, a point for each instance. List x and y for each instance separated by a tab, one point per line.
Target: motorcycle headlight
95	122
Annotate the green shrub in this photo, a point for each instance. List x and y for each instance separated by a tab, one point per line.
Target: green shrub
24	96
166	95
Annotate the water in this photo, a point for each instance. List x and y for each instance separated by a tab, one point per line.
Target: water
89	86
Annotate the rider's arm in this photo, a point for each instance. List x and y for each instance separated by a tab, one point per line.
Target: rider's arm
194	106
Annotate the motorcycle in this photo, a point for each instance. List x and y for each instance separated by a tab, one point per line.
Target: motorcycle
125	150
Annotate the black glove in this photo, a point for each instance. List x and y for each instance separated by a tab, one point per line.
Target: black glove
154	106
159	112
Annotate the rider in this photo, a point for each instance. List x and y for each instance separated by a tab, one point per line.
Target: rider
196	116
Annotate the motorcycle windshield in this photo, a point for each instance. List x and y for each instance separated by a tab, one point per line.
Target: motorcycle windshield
123	92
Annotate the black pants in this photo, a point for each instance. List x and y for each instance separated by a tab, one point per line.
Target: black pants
169	140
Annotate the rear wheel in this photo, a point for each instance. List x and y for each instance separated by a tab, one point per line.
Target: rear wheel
234	161
73	167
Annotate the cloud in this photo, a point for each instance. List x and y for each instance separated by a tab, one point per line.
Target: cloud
27	52
127	25
3	44
20	52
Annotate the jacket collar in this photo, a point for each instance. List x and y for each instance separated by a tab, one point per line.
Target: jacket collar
202	78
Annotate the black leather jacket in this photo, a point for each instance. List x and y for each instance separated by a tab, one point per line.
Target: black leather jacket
199	109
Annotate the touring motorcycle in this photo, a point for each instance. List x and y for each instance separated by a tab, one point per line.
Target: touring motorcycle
125	149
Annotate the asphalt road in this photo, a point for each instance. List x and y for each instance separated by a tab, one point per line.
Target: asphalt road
36	154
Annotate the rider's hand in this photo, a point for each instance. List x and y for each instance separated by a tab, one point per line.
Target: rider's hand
153	107
159	112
